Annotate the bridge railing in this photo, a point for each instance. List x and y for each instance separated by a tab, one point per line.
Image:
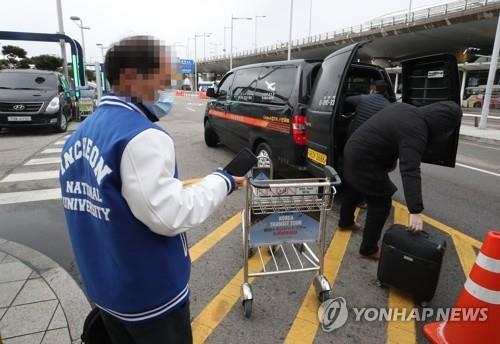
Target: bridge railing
381	23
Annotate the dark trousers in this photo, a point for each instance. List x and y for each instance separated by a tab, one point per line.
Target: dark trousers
378	210
172	328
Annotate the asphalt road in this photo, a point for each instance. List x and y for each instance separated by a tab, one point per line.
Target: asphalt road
463	198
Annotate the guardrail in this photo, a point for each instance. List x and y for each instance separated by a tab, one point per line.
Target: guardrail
415	17
478	116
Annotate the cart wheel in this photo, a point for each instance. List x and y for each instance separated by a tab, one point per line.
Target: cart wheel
247	308
251	252
324	295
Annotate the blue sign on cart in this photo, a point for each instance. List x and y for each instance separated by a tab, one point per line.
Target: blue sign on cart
186	66
279	228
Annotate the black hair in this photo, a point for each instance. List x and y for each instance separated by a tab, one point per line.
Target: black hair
142	53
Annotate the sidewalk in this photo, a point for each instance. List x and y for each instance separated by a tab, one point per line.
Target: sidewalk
471	133
39	301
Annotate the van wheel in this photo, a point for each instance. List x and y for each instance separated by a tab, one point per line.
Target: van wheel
263	149
211	138
62	123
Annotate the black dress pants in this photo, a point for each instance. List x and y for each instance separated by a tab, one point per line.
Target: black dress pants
172	328
378	210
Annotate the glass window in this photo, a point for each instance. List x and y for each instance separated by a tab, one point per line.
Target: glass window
225	87
275	84
244	84
28	81
328	80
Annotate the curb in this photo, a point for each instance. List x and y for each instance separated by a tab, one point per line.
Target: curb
480	139
72	299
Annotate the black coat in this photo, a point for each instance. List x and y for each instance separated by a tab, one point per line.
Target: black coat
366	106
398	131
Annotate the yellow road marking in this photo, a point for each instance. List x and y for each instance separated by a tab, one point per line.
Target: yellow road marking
306	322
400	332
205	244
465	253
213	314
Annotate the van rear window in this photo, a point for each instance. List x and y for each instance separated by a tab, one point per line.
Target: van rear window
275	84
327	82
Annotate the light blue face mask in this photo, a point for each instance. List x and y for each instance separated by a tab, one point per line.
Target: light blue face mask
162	106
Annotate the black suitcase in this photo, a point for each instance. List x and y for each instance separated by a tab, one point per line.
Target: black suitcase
411	262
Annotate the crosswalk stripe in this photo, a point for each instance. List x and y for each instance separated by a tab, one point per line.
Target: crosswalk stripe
213	314
51	150
209	241
32	195
400	331
43	161
59	143
29	196
306	322
26	176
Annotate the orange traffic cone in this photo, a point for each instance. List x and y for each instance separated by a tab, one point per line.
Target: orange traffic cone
481	293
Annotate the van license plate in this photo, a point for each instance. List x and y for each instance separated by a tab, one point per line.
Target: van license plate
18	118
316	156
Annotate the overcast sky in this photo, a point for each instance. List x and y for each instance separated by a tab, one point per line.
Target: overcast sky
175	21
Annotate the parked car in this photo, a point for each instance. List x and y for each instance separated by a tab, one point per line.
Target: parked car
35	98
295	113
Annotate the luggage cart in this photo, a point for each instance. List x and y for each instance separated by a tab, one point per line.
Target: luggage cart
288	218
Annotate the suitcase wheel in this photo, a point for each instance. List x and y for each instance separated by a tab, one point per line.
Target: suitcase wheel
380	284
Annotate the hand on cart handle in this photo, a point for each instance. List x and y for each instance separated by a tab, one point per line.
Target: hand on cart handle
240	182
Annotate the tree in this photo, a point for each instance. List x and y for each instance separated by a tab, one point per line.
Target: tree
24	64
47	62
13	54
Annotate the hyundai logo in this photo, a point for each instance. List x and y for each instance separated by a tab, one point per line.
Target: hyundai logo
19	107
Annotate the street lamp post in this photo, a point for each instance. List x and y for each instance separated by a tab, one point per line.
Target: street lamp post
232	30
76	19
205	35
102	50
310	16
255	43
225	28
61	42
290	32
196	60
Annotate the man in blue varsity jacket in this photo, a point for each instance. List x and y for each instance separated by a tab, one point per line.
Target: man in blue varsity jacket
127	212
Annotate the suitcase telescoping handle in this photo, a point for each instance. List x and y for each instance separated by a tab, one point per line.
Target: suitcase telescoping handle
332	175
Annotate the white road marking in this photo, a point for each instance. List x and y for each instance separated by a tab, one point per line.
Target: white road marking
52	150
192	110
29	196
478	169
22	177
59	143
43	161
67	136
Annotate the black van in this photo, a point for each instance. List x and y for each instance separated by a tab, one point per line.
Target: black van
35	98
294	111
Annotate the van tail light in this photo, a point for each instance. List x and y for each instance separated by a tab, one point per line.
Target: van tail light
299	129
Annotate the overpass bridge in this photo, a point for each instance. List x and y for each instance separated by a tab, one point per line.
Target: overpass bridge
449	27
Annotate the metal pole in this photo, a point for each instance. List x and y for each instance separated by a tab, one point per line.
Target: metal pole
195	67
396	83
462	87
231	48
310	16
204	45
290	32
187	49
491	77
83	51
98	80
61	42
409	12
255	41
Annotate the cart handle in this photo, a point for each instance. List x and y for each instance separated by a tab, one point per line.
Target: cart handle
331	174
